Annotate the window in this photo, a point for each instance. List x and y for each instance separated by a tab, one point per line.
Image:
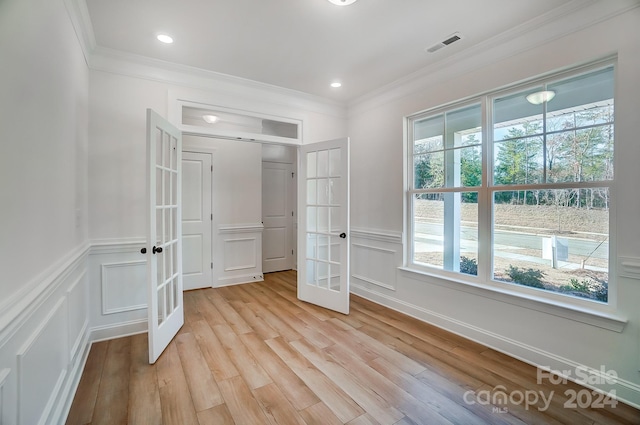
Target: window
514	187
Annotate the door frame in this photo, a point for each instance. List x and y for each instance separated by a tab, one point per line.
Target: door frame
194	132
195	148
211	230
291	188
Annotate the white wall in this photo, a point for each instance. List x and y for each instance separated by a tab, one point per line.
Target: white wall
541	337
43	187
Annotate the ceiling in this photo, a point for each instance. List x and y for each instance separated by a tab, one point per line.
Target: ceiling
305	45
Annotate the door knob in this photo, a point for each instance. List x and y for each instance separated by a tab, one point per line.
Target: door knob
158	249
343	235
143	251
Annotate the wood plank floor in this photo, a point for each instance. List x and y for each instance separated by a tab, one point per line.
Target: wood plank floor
254	354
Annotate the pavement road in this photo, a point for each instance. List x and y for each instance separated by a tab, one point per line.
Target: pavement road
431	234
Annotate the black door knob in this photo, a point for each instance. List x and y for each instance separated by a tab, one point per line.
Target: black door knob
158	249
343	235
143	251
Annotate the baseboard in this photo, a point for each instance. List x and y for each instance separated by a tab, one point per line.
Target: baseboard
624	390
237	280
118	330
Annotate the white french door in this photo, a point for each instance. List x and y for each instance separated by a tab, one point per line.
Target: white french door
323	236
164	233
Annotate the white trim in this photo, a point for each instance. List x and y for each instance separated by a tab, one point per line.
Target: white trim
105	292
374	282
81	21
4	374
625	390
240	228
117	246
118	62
565	310
61	413
239	280
629	267
24	350
83	330
21	305
377	235
118	330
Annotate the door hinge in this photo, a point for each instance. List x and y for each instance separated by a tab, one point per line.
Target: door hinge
292	252
212	266
211	216
292	174
291	213
212	168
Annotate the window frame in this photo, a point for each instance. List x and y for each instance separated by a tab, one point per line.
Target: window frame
484	279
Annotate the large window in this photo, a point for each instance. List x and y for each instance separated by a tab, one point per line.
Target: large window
514	187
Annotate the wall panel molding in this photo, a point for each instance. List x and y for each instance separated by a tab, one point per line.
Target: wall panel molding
240	254
20	306
377	235
375	256
4	374
118	330
240	228
42	366
117	246
77	317
118	294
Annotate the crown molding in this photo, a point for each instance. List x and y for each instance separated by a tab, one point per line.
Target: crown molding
99	58
117	62
562	21
81	21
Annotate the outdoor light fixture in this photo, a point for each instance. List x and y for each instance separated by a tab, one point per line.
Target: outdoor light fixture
541	97
342	2
210	119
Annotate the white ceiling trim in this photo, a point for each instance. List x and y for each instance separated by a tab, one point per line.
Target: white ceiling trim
108	60
554	25
79	15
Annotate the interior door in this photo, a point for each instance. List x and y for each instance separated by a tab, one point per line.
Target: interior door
197	265
164	233
277	217
323	236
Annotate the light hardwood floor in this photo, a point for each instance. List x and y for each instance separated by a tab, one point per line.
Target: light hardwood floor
254	354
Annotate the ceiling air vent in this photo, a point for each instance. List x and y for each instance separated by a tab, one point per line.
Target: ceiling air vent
450	40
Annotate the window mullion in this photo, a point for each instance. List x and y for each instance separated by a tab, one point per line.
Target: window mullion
484	196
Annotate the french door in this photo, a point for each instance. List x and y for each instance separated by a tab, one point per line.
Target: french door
323	236
164	233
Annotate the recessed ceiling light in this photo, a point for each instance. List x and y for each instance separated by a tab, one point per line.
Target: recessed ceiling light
210	118
342	2
336	84
165	38
541	97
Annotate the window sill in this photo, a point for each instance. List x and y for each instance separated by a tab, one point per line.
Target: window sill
566	310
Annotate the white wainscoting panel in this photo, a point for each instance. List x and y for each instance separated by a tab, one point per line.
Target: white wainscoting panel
239	254
121	288
375	256
239	258
42	366
4	374
44	344
117	288
78	317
